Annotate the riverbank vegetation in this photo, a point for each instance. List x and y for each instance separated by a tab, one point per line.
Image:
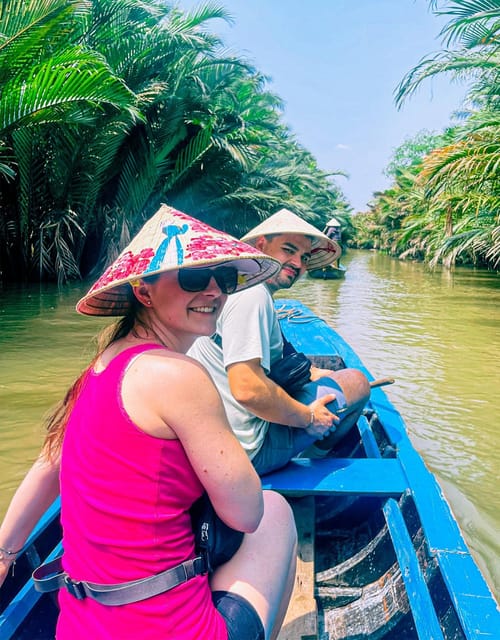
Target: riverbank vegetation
110	107
444	203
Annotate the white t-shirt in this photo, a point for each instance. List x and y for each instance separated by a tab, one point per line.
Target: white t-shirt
249	329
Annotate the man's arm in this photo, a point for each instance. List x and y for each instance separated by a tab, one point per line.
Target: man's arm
252	388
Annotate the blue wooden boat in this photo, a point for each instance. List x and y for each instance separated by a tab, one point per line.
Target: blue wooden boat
380	554
330	272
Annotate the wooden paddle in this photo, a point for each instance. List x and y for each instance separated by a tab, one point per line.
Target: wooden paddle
381	382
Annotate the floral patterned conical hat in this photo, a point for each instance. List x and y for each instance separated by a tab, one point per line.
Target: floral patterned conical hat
171	240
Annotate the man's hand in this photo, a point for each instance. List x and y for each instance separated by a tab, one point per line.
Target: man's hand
259	394
323	421
317	373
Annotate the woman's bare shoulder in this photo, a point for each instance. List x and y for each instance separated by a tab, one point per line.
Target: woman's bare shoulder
159	367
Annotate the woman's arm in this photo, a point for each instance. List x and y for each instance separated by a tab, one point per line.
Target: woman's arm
34	495
177	392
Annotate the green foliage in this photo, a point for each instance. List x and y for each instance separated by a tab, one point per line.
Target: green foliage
109	107
444	205
412	151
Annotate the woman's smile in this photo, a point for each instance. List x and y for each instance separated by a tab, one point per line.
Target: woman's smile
204	309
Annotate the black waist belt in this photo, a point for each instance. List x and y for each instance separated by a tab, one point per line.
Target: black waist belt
51	576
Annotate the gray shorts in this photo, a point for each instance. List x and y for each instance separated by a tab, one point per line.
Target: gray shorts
281	442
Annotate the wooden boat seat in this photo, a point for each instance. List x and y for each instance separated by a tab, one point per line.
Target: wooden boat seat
341	476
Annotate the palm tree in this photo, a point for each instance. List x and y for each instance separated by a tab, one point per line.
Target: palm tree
462	179
51	88
475	28
130	103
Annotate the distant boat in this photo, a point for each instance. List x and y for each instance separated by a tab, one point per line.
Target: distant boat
330	272
335	271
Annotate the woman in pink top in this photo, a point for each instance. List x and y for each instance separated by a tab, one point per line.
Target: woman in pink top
141	435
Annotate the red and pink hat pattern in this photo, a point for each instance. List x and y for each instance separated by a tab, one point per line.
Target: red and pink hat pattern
170	240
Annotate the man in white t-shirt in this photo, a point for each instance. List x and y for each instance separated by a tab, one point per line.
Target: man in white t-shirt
272	425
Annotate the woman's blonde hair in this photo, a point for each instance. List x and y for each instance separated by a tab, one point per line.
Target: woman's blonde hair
57	418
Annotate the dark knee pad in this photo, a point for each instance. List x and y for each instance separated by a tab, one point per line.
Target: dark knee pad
319	388
242	621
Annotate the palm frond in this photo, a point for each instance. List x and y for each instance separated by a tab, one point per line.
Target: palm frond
32	30
74	76
475	22
192	153
461	64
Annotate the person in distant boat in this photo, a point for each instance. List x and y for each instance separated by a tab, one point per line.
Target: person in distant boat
273	426
137	447
333	230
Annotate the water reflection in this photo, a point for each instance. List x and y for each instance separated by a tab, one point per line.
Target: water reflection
44	344
435	332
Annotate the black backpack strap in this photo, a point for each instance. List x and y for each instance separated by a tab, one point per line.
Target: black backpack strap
217	338
51	576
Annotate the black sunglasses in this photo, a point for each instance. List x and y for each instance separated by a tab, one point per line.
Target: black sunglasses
198	279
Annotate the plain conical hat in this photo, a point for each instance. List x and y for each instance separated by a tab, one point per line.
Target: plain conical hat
324	249
333	223
172	240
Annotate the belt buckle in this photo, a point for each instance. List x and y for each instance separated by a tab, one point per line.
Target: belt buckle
75	587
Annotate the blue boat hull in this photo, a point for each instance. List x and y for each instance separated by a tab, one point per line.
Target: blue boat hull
330	272
389	559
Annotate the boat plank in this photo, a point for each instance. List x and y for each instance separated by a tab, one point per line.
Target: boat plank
476	609
301	620
339	476
369	441
422	607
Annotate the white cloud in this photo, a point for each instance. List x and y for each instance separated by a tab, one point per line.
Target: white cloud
343	147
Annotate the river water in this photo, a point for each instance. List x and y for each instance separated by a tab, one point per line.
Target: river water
436	332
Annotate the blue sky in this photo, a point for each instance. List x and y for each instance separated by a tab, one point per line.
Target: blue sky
336	64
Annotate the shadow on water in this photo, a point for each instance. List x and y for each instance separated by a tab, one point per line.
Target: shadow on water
437	333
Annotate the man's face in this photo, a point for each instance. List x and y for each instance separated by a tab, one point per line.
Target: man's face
293	250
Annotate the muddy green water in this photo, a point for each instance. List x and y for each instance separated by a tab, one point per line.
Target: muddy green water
437	333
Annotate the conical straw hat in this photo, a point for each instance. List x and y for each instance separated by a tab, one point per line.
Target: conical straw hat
171	240
324	249
333	223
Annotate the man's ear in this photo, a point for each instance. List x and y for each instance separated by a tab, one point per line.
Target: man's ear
261	243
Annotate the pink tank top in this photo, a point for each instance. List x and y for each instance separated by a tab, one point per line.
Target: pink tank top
125	497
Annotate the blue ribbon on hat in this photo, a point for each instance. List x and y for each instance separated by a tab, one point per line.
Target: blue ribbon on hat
172	232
